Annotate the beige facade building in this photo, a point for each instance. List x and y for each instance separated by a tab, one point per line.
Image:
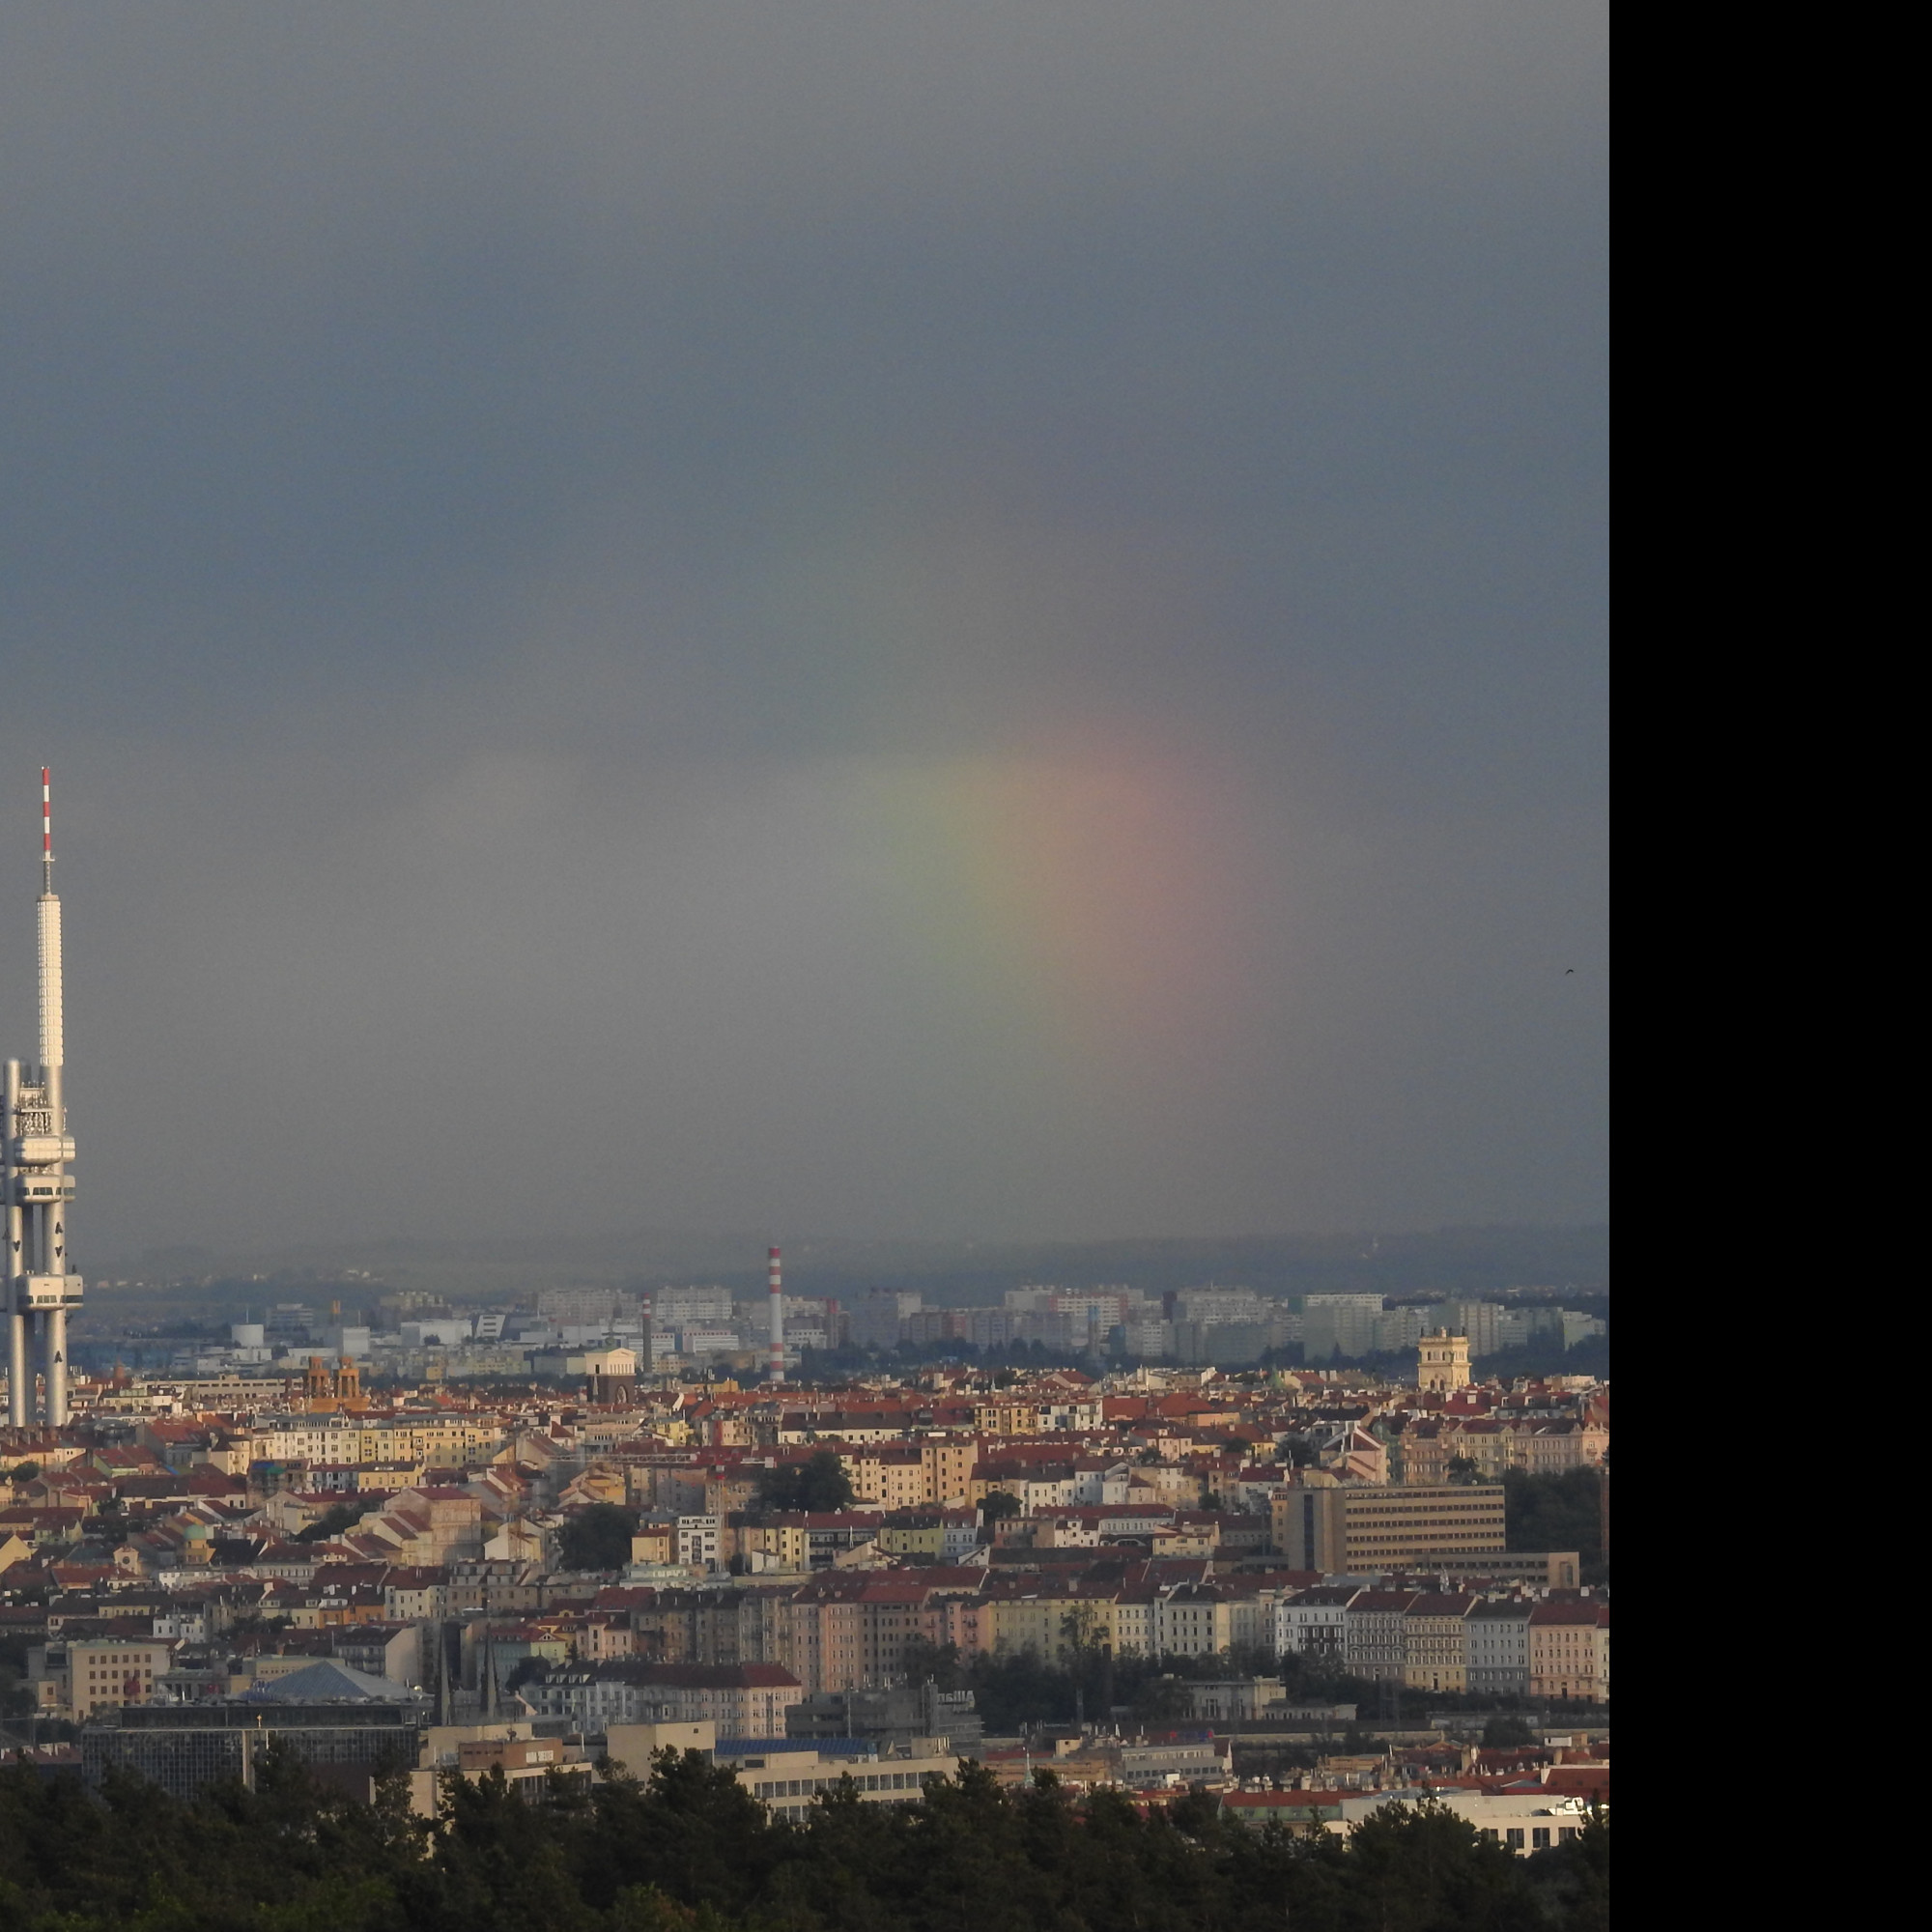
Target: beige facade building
949	1465
787	1781
1570	1651
770	1545
1444	1362
888	1476
101	1674
1363	1529
1435	1643
740	1700
1196	1620
1544	1448
633	1746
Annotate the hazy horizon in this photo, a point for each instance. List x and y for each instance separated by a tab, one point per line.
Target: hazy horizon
1449	1261
916	621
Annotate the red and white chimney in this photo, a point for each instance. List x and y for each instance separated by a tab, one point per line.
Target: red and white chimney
776	1280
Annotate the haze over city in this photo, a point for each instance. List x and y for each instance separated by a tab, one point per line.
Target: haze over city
847	620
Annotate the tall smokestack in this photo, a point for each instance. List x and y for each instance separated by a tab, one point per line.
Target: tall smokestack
776	1283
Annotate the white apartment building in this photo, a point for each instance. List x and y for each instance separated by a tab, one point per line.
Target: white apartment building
1343	1323
1314	1623
697	1540
1194	1620
1217	1307
1497	1635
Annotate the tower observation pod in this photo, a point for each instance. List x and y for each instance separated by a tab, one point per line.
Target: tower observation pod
35	1179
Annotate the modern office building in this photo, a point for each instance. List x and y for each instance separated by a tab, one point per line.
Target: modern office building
185	1747
1362	1529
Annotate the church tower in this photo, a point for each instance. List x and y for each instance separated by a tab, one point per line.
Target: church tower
1445	1363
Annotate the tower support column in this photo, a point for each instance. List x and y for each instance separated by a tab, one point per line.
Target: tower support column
18	1388
56	1367
19	1383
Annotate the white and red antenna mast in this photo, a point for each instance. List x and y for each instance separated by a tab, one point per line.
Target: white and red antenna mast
53	1028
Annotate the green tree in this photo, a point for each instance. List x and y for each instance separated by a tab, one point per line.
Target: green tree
1558	1512
818	1485
333	1522
1507	1734
597	1537
922	1659
1162	1701
689	1849
110	1522
997	1505
1574	1878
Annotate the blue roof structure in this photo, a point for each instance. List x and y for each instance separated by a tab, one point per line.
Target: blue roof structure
328	1681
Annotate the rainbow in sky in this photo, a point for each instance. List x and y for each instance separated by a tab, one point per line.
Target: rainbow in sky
1078	862
1094	888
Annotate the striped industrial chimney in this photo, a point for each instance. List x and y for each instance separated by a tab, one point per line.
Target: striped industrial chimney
775	1283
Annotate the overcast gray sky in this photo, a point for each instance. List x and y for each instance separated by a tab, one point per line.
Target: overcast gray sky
954	617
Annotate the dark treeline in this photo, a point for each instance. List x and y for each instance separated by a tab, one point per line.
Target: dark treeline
1013	1692
1564	1511
691	1848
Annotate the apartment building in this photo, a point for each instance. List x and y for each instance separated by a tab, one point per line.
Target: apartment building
1496	1634
698	1539
1570	1651
77	1677
1434	1642
1195	1620
1339	1324
1314	1623
1375	1634
890	1476
1495	1445
949	1462
743	1700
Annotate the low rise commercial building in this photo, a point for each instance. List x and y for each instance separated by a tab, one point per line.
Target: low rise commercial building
185	1747
786	1781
